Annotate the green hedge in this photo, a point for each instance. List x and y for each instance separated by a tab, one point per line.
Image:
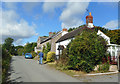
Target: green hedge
6	58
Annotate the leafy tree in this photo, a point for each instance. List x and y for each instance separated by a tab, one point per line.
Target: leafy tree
9	46
20	51
46	49
104	30
6	58
114	36
34	45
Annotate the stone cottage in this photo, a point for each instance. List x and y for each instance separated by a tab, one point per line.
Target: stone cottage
51	39
38	47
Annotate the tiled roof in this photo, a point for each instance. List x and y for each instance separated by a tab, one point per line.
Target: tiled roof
48	38
72	33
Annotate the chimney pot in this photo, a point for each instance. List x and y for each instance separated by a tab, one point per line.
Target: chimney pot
64	29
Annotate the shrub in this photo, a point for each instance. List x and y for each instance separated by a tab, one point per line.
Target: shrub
38	52
63	61
104	67
46	49
33	54
86	51
51	57
6	58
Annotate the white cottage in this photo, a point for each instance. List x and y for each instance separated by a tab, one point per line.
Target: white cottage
113	49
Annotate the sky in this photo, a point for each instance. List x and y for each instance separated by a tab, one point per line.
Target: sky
26	21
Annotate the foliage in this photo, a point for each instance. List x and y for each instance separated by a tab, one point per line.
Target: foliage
5	63
38	52
46	49
104	30
63	61
72	29
113	34
29	47
9	46
20	51
33	54
50	56
84	49
104	67
82	52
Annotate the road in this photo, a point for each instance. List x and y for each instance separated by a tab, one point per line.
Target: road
28	70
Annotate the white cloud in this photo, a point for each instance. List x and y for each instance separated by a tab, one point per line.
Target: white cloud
29	6
10	5
15	27
113	24
50	6
72	14
19	42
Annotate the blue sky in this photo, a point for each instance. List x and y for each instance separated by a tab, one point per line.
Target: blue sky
26	21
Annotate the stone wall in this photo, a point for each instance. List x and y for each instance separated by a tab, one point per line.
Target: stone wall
53	44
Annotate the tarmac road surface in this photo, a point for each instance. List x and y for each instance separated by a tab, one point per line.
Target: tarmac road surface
28	70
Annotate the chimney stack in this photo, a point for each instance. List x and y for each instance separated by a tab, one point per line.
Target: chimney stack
64	31
89	20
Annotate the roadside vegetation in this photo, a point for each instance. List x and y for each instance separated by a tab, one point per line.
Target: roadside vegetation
84	52
45	50
8	49
28	48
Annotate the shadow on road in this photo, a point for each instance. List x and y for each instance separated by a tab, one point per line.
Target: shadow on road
11	71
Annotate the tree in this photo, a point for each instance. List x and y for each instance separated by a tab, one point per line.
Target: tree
46	49
86	51
114	36
9	46
34	44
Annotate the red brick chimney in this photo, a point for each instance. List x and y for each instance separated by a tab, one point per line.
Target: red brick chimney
89	20
64	29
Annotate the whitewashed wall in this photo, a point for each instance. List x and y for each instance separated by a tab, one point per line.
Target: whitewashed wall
64	43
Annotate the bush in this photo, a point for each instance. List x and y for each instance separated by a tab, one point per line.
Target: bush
46	49
63	61
86	51
51	57
38	52
6	58
104	67
33	54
